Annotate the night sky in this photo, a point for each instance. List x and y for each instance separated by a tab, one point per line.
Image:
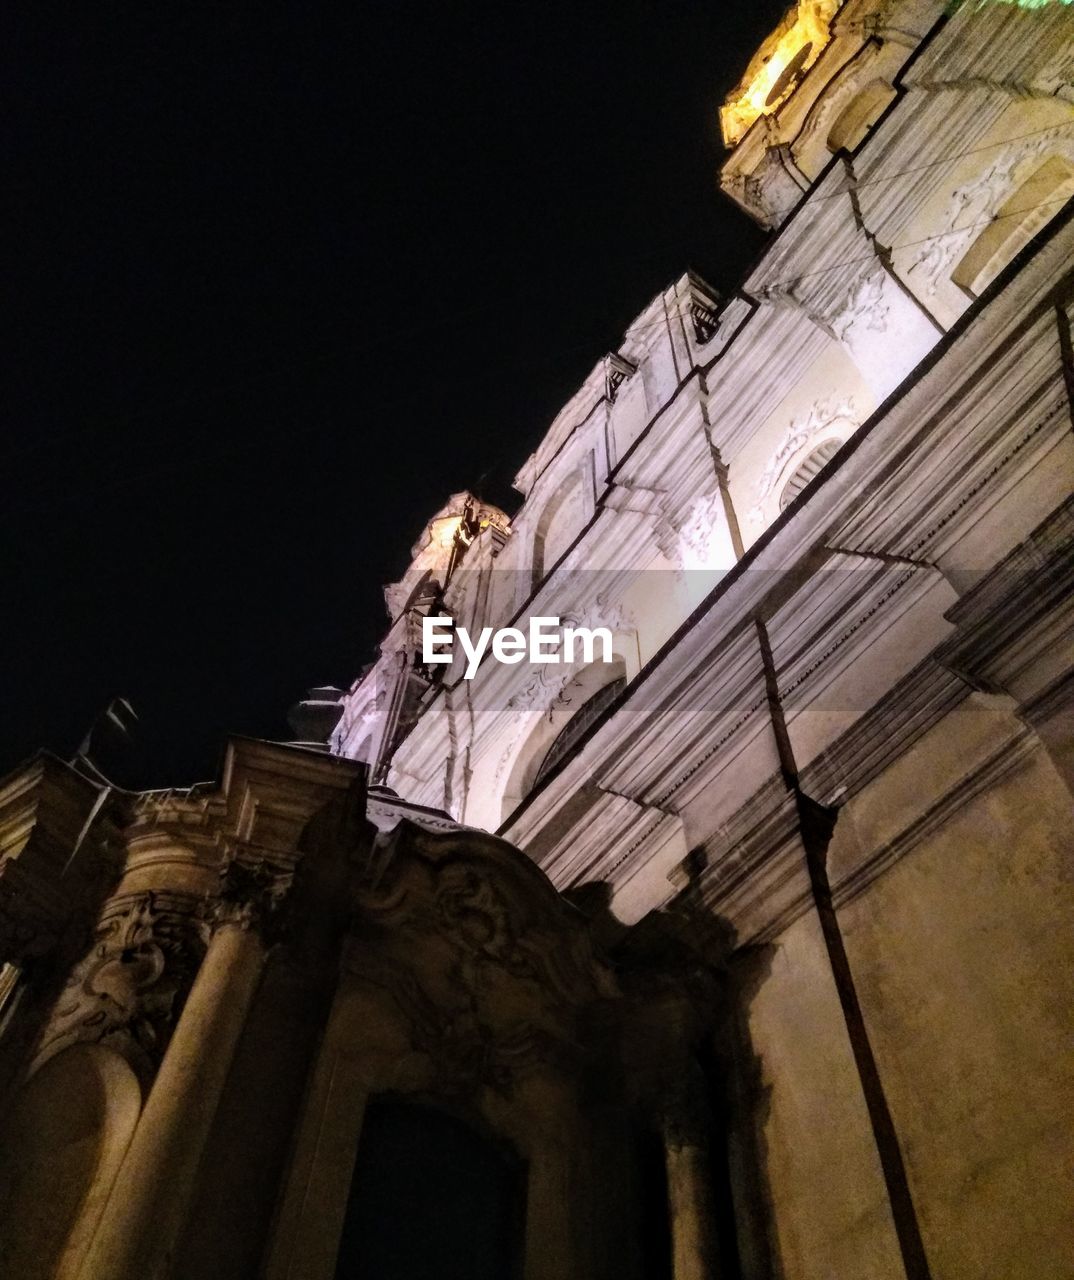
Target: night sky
282	278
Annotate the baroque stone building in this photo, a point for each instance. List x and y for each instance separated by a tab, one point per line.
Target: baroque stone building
745	954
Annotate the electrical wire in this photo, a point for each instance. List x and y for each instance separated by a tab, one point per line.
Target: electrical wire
675	313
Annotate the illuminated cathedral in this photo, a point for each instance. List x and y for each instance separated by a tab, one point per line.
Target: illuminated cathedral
743	954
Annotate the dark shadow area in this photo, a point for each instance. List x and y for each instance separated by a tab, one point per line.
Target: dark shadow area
654	1223
246	244
431	1199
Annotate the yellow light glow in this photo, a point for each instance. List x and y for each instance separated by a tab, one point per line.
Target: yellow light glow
781	61
444	530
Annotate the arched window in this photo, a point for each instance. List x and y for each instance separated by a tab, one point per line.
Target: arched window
1031	207
559	524
859	115
812	465
577	725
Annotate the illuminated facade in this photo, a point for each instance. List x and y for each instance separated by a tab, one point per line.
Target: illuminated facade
792	907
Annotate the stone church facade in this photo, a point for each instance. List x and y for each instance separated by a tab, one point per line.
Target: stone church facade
744	955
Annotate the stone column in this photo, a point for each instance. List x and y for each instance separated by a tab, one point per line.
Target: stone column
685	1129
554	1194
549	1235
139	1231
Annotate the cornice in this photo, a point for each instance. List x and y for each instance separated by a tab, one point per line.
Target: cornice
885	733
1007	759
1015	628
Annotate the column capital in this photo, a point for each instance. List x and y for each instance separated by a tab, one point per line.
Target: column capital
253	893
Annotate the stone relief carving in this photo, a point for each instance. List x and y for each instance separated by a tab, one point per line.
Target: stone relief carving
252	893
127	991
604	611
865	306
687	540
543	692
546	688
830	415
484	962
976	203
782	293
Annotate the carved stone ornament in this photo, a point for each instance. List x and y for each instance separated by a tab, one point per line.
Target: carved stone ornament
832	416
865	307
687	538
604	611
128	990
488	967
617	369
546	689
706	321
543	692
252	893
976	203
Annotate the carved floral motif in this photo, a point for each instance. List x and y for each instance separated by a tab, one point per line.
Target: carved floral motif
688	540
546	688
127	991
484	962
252	893
833	414
976	203
865	307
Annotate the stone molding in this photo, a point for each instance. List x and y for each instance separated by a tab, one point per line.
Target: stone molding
253	893
1015	628
58	849
147	886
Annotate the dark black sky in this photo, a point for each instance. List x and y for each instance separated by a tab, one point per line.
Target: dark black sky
284	277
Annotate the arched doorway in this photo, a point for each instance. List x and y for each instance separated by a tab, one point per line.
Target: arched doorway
431	1199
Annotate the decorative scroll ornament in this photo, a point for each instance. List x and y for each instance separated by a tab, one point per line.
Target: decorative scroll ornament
252	894
688	540
865	307
547	688
485	963
543	692
604	611
128	990
833	416
976	203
